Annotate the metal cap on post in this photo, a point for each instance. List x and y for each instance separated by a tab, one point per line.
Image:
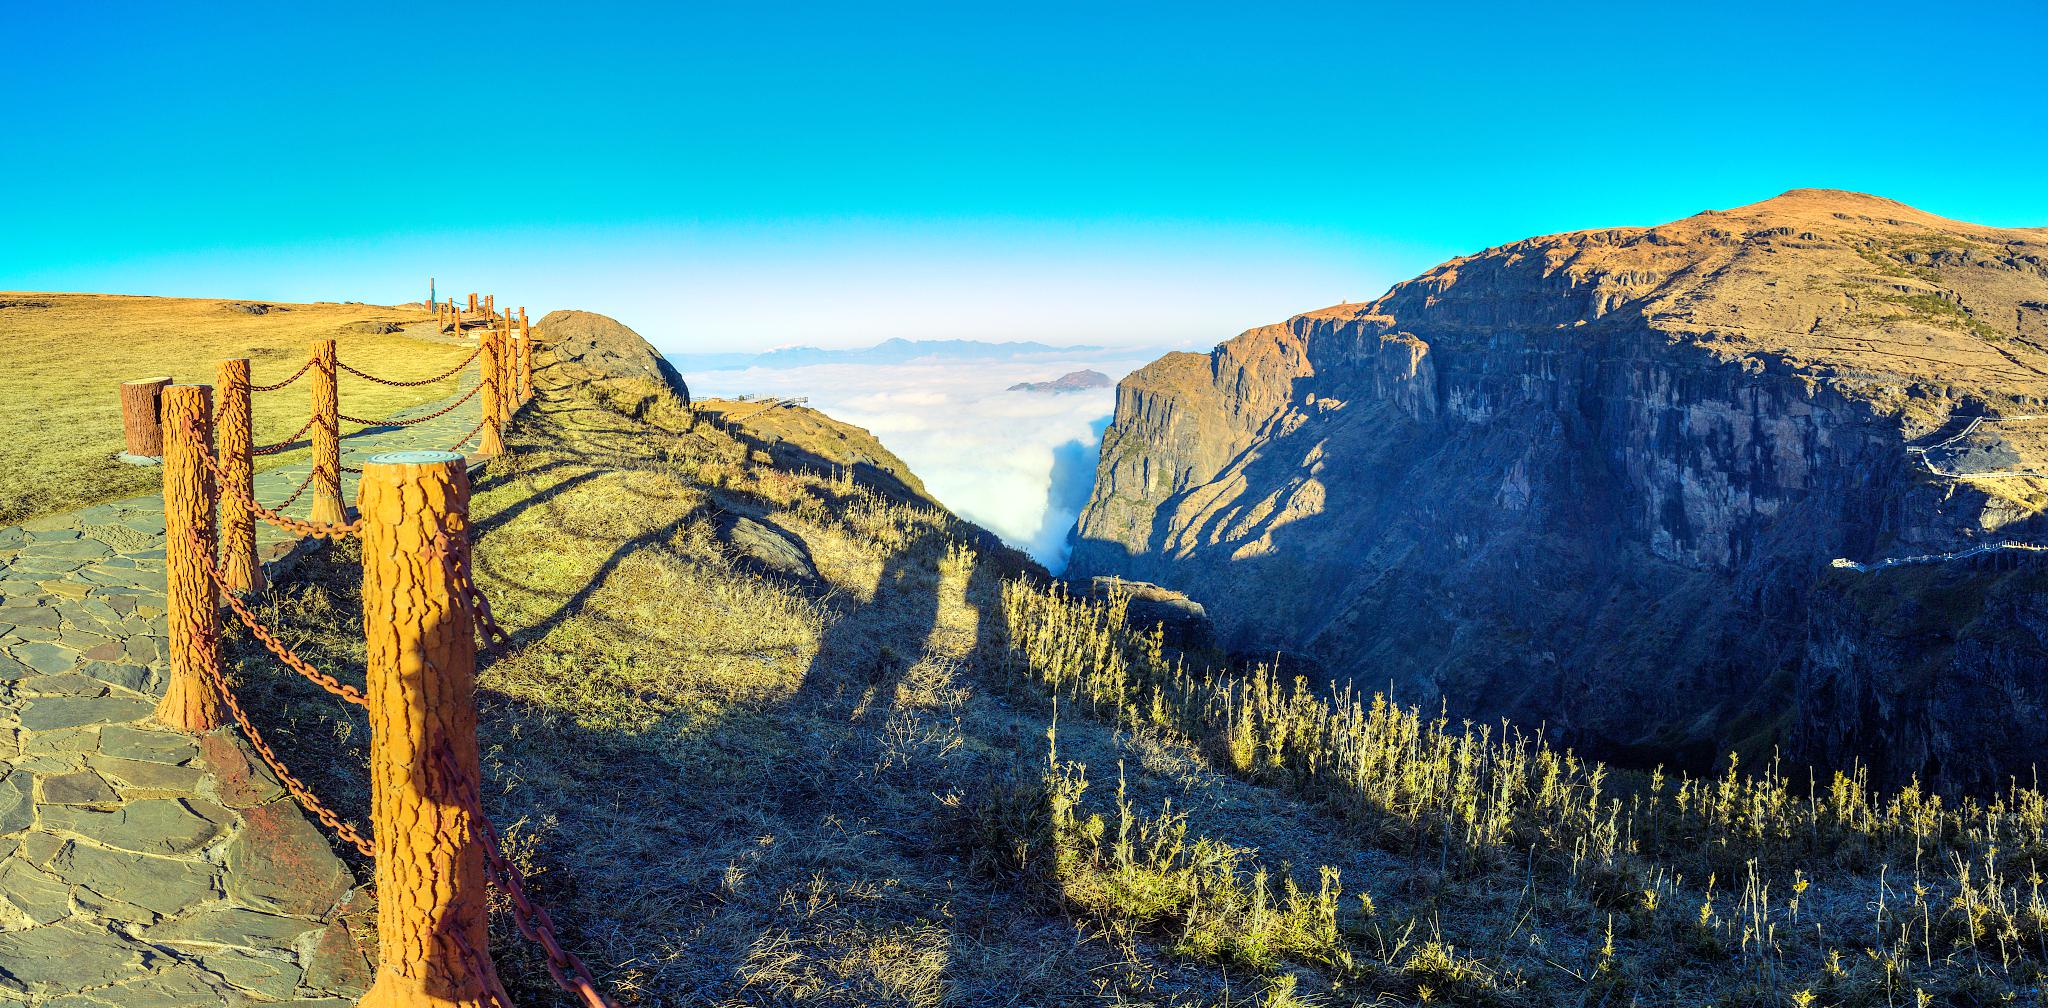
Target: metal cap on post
192	610
420	633
327	506
234	432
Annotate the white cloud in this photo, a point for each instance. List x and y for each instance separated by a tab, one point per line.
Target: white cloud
1018	463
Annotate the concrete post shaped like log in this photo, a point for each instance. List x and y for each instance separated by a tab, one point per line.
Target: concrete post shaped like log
192	610
489	369
419	630
234	433
327	506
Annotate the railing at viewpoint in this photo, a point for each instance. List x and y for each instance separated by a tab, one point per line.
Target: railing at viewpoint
424	620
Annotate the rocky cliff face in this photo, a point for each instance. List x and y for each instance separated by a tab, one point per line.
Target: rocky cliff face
1593	479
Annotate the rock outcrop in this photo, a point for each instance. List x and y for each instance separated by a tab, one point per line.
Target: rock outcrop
1072	381
1593	480
588	345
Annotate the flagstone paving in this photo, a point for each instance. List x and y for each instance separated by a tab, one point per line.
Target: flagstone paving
141	867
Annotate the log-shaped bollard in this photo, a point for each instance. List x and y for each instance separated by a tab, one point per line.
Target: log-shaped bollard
234	433
327	506
192	610
419	628
525	363
141	410
472	303
488	369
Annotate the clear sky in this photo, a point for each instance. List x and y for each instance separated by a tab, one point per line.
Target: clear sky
741	175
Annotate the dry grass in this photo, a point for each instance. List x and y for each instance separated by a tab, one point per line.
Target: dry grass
745	789
62	354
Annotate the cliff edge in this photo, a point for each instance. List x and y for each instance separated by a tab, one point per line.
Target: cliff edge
1594	479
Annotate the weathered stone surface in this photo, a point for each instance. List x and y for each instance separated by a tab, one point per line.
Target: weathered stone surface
335	961
239	781
230	926
68	957
152	745
273	978
17	801
146	775
41	897
280	861
146	826
45	656
49	713
589	345
174	985
164	885
80	788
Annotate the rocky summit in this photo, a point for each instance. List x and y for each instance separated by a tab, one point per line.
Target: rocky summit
1597	481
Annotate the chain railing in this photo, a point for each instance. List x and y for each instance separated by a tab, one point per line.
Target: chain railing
433	845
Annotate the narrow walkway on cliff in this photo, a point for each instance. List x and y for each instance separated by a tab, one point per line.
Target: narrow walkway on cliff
139	865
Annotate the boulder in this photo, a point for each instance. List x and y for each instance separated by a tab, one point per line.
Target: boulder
598	346
1186	623
761	545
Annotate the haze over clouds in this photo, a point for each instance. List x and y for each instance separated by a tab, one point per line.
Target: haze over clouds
1018	463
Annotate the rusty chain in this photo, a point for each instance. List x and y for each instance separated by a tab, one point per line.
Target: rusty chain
451	372
473	432
532	919
494	990
388	422
269	640
288	501
323	530
304	795
272	449
295	377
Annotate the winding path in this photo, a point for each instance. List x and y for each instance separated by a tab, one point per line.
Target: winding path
141	867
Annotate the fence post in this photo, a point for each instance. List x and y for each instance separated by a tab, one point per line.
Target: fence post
327	506
419	630
234	433
192	611
525	361
488	369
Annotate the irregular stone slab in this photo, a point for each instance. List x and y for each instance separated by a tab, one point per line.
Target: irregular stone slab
280	861
335	962
49	713
68	684
129	676
66	742
17	809
231	926
62	958
39	847
179	985
109	651
168	886
239	781
146	775
92	904
29	615
155	746
145	826
41	897
273	978
45	656
80	788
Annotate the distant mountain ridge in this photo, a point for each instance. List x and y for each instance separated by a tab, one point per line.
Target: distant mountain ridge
1072	381
892	351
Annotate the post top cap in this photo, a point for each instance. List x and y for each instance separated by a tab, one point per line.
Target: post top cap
427	456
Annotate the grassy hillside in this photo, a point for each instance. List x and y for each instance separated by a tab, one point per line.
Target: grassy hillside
61	356
921	777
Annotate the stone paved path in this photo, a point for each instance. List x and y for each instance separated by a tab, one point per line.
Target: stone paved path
141	867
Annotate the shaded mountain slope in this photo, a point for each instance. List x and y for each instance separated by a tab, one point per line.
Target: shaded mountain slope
1593	479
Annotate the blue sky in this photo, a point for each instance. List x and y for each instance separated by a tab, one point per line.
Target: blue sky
749	175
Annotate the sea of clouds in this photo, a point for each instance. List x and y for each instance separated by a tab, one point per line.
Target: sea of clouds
1020	464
